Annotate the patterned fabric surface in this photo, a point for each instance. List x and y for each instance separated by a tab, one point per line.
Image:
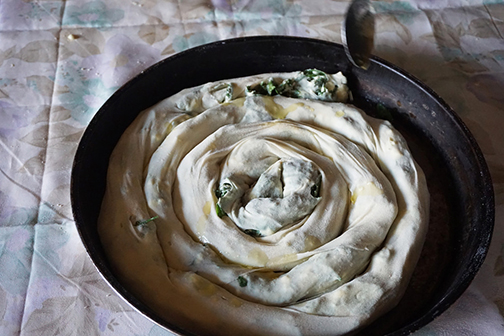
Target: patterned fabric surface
61	60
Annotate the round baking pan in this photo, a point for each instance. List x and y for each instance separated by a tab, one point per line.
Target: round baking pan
462	204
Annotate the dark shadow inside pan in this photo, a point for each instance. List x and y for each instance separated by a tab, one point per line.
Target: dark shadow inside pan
462	206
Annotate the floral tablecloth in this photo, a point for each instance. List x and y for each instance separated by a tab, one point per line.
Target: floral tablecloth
60	60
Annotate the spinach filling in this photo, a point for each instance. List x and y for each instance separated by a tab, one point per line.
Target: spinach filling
310	83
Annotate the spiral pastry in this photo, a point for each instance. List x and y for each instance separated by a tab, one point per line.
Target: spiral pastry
245	208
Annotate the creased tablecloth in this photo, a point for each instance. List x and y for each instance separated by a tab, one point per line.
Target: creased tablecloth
60	60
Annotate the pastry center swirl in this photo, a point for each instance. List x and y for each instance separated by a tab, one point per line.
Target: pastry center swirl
285	192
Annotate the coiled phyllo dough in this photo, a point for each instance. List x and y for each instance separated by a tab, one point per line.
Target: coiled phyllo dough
264	206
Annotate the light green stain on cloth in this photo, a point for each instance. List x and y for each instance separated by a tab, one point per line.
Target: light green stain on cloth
95	13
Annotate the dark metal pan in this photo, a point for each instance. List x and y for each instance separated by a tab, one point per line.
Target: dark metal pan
462	204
